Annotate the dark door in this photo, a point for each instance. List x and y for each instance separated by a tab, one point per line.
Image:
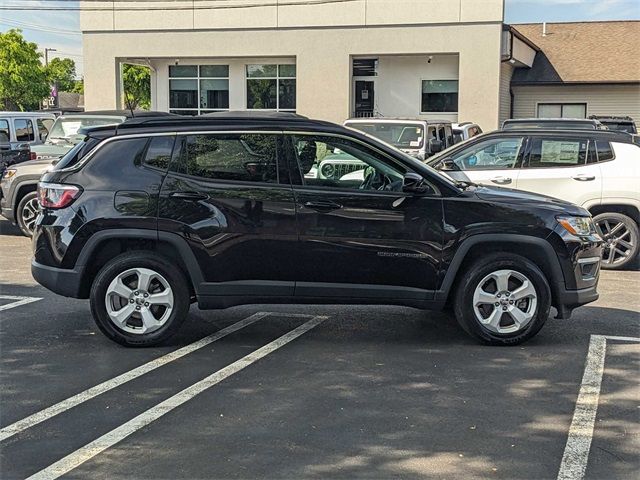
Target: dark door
360	236
365	98
228	196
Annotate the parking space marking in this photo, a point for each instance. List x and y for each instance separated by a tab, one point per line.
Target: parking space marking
118	434
92	392
17	301
576	451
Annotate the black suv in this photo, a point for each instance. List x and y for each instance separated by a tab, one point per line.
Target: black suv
218	210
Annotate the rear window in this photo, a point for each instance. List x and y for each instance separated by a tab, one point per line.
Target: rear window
4	131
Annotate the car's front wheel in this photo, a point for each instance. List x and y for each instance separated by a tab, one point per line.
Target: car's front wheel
620	235
503	299
27	213
139	299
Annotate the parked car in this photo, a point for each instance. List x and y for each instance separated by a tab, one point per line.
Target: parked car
553	123
217	210
465	131
618	124
18	184
598	170
19	132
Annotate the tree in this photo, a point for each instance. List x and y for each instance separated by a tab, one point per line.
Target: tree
23	80
78	87
62	72
136	81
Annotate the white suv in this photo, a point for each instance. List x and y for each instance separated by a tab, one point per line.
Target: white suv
598	170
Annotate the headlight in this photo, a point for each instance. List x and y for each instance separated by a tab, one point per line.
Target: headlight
579	226
8	173
327	170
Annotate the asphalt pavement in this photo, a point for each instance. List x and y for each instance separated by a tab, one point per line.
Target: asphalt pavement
294	391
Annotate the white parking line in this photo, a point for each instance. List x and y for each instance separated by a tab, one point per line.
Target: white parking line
116	435
92	392
17	301
576	451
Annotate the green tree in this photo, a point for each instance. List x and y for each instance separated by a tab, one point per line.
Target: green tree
78	87
136	81
23	80
62	71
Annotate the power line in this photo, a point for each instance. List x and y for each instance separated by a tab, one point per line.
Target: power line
114	8
40	28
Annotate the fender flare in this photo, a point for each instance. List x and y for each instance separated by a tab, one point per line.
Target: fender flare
556	281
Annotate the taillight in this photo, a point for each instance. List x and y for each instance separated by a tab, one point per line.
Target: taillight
55	195
33	156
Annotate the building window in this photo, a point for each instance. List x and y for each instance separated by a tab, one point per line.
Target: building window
439	96
197	89
562	110
271	87
365	67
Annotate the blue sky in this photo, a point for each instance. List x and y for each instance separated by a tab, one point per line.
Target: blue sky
60	29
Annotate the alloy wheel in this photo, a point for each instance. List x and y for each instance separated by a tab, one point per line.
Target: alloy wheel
139	301
618	242
505	301
29	214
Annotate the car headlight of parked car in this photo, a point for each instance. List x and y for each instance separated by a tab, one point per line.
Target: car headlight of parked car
328	170
579	226
9	173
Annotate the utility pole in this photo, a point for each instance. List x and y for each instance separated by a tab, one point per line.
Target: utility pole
46	55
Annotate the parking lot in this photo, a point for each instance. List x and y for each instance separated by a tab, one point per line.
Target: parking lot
295	392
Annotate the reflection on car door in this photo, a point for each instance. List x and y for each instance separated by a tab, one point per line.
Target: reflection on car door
233	203
563	167
361	236
494	161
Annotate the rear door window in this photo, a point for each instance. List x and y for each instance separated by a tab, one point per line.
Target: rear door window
558	152
159	152
604	151
24	130
231	156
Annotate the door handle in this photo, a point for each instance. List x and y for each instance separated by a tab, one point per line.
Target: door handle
584	178
195	196
323	205
501	180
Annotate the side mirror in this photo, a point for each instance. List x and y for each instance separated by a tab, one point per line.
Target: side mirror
448	165
414	184
43	136
435	146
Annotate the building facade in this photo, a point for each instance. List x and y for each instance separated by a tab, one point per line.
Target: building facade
325	59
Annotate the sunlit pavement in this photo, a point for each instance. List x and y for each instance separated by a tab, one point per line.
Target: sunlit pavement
311	392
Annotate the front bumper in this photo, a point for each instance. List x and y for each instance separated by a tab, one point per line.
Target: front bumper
568	300
63	281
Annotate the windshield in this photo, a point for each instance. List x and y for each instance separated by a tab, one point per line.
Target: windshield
401	135
626	127
65	129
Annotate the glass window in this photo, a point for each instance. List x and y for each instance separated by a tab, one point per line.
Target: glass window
365	67
177	71
214	94
271	87
400	135
550	153
4	131
335	162
562	110
24	130
605	151
439	96
239	157
45	124
159	152
199	89
215	71
493	154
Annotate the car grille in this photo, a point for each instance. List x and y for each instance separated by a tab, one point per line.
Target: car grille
342	169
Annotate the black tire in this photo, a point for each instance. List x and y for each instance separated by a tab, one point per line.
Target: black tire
471	279
629	236
26	226
147	260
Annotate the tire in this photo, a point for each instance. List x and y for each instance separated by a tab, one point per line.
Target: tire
119	302
27	212
620	234
479	286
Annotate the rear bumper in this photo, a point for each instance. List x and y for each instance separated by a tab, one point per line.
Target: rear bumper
65	282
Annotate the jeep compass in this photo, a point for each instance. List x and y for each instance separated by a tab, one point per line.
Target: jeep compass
146	217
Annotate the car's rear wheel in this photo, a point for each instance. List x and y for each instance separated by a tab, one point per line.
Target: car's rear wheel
620	234
503	299
27	213
139	299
